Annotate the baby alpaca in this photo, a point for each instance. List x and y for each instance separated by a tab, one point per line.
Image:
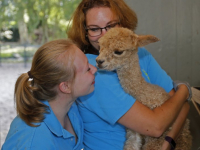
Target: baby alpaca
118	51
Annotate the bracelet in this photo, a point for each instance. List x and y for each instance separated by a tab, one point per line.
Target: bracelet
176	83
171	142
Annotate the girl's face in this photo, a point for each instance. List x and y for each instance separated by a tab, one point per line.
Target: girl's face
99	17
84	78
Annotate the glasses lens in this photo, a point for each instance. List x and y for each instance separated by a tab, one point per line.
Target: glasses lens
98	31
112	25
94	31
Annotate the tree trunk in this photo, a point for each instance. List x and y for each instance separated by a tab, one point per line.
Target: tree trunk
23	32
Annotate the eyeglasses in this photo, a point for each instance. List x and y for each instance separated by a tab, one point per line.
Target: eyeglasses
96	31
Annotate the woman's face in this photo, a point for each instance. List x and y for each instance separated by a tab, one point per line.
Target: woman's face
84	78
99	17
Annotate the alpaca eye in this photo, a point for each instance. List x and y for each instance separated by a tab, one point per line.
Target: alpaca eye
118	52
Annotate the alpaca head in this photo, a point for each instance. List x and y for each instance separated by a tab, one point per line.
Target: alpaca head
118	46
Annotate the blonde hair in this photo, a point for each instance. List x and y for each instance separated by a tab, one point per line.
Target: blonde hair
51	65
126	15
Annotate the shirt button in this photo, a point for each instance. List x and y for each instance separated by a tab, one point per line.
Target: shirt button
71	139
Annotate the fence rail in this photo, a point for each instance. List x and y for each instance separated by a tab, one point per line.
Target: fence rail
17	53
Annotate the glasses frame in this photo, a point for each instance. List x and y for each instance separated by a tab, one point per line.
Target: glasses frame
114	24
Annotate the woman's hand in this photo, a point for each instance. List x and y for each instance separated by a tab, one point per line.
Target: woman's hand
166	146
177	84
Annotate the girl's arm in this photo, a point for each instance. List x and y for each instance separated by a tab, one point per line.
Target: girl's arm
154	122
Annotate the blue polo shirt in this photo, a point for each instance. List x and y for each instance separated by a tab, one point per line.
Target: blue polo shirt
50	135
101	109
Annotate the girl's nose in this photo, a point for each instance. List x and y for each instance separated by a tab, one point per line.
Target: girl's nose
93	69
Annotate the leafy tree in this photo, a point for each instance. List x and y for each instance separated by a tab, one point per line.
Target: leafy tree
37	20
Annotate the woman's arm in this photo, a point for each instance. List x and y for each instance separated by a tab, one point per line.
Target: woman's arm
154	122
178	124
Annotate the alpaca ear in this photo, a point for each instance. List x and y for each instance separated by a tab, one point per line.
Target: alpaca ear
65	87
143	40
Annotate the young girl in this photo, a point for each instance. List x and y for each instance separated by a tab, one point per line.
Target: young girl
47	117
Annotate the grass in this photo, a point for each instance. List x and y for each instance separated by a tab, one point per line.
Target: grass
6	55
10	55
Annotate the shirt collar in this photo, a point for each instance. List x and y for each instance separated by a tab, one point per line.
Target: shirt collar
53	124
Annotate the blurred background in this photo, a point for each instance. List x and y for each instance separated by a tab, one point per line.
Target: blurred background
177	24
27	24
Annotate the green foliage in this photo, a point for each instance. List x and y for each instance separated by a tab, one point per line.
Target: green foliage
50	16
6	55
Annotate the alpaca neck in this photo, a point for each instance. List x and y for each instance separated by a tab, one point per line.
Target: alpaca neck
130	76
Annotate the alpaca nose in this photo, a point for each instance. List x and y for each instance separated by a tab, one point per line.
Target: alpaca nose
99	62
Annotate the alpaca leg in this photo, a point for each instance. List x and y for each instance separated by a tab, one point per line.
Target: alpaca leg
134	141
152	143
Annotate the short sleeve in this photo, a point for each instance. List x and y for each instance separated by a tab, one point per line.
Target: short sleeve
154	71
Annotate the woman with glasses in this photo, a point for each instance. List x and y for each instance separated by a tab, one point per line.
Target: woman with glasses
108	110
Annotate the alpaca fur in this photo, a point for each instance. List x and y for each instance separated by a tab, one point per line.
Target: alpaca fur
118	51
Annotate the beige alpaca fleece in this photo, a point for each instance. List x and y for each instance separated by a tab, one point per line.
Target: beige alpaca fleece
118	51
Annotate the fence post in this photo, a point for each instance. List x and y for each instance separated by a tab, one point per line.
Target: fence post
0	55
25	59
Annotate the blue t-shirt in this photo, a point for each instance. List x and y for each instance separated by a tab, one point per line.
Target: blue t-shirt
101	109
50	135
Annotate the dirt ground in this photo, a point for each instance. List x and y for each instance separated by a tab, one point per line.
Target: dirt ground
8	76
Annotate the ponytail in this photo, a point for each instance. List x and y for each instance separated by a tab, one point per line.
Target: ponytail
28	108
